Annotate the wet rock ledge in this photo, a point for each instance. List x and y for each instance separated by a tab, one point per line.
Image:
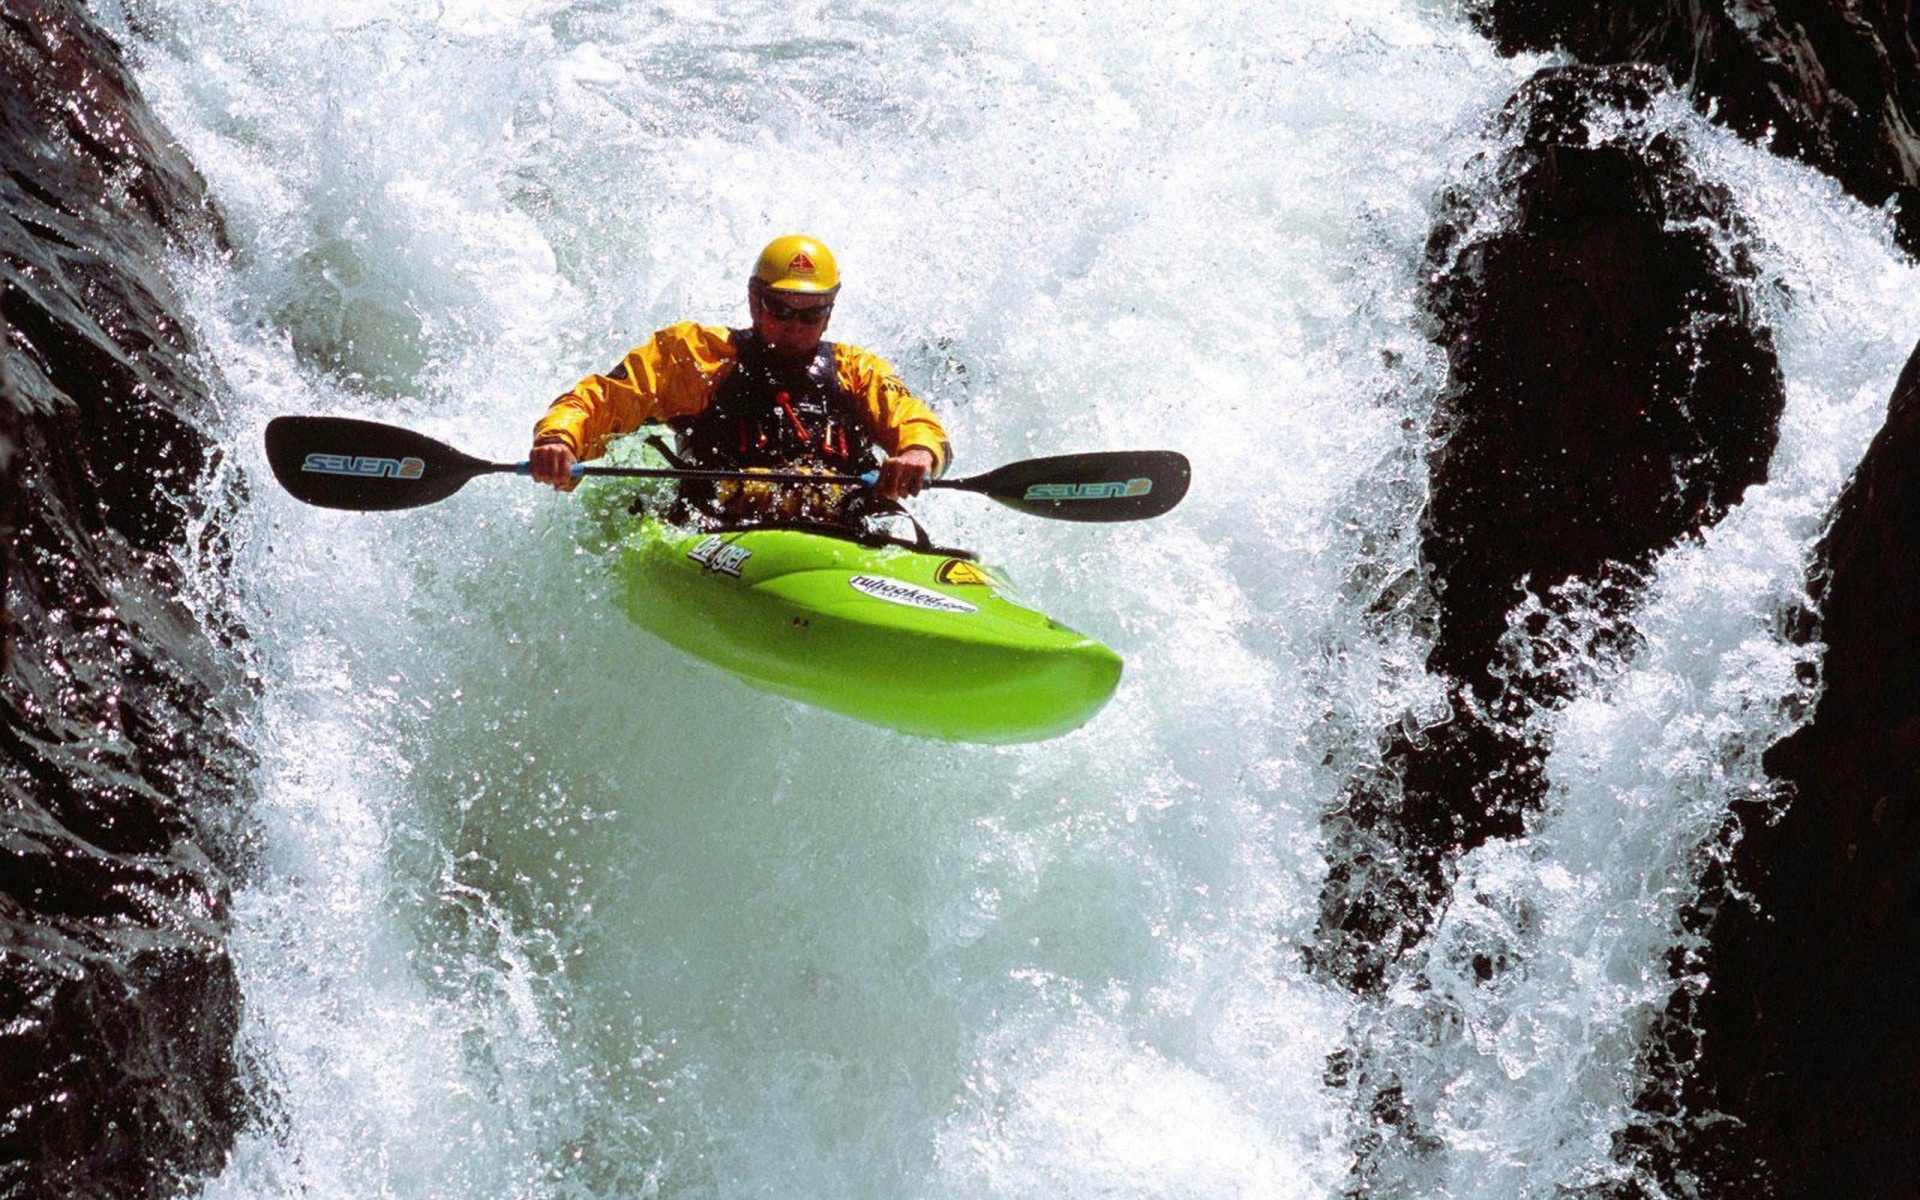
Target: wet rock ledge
1833	83
119	764
1609	392
1807	1034
1792	1073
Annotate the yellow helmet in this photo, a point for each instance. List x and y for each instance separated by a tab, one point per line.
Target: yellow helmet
797	263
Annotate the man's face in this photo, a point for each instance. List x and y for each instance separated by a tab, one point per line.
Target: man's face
790	323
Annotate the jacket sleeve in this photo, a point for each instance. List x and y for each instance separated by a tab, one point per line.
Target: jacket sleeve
897	418
671	374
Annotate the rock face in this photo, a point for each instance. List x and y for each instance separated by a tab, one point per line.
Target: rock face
118	762
1834	83
1609	392
9	499
1809	1030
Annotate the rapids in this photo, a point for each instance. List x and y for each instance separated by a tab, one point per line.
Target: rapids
540	908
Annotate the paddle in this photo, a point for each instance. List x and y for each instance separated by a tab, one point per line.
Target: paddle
340	462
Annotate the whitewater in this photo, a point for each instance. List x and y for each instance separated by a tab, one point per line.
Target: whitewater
534	906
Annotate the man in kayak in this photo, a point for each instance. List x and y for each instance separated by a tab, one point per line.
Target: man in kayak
772	396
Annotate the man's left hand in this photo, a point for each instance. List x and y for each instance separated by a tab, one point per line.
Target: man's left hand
905	474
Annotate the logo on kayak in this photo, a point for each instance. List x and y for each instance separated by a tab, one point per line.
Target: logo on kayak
715	553
364	467
1114	490
961	573
909	594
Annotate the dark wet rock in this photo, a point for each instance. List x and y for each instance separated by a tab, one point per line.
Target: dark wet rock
1807	1032
118	759
9	499
1834	83
1610	392
1610	388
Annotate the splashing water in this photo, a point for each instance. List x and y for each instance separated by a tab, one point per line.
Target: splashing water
543	909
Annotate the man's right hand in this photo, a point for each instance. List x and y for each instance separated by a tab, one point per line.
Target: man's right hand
552	463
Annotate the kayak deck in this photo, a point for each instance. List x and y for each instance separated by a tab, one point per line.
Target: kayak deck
927	643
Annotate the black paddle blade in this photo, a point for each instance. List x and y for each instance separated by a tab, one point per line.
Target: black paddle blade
1112	485
338	462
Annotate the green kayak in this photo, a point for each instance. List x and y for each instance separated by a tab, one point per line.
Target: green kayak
930	643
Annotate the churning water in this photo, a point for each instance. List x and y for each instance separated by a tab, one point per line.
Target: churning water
543	909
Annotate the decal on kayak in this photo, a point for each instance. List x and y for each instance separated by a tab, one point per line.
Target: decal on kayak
961	573
912	595
354	464
1089	491
716	554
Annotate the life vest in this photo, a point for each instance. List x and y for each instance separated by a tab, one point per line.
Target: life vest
775	414
770	413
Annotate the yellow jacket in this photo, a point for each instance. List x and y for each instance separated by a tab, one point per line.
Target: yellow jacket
676	372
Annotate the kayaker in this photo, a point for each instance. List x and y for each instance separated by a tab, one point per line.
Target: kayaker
774	395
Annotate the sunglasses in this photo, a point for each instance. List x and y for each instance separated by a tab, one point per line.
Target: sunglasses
811	315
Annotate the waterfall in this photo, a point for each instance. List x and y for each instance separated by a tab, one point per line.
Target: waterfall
539	907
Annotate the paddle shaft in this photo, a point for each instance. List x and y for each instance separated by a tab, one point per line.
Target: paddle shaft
582	470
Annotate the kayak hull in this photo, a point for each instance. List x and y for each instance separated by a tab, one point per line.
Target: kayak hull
926	643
